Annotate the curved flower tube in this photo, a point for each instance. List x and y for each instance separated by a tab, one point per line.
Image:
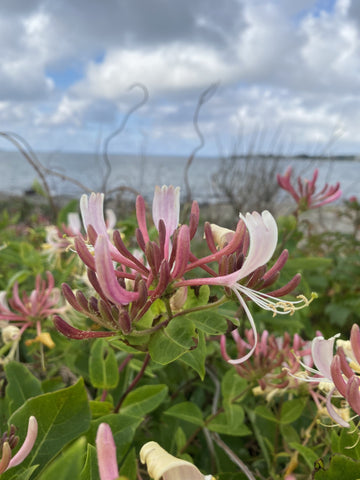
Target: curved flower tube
106	453
6	461
161	464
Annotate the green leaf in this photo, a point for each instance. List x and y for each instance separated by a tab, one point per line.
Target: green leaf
144	399
68	464
307	453
19	473
170	343
347	442
289	433
340	467
103	367
122	426
292	409
98	408
198	297
196	358
180	439
187	411
265	412
210	322
221	424
21	385
232	386
338	313
91	469
62	416
128	467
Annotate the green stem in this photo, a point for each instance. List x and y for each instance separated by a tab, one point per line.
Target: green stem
202	308
133	383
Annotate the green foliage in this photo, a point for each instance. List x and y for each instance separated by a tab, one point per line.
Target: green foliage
187	397
103	367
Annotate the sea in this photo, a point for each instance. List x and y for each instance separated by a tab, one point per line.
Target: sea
141	173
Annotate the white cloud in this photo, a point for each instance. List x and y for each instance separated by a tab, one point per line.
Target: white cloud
294	64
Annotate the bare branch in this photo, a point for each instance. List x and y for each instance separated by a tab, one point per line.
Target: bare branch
27	152
234	458
204	97
40	169
120	129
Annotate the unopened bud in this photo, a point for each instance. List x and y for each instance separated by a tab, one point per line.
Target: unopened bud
10	334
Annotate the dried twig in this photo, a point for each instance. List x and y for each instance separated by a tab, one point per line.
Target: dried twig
26	150
234	458
204	97
120	129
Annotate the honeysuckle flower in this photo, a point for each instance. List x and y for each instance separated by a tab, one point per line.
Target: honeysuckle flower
106	453
30	309
344	370
306	196
262	243
336	372
126	284
160	464
272	359
10	441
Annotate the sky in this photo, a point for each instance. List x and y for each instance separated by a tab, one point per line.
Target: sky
284	75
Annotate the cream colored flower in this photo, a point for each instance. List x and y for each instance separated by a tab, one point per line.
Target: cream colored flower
161	464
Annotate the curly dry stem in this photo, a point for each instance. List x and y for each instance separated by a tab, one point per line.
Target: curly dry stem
204	97
116	132
27	152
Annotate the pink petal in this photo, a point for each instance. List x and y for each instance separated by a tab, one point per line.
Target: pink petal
92	212
166	207
253	326
263	239
333	413
353	395
322	352
106	275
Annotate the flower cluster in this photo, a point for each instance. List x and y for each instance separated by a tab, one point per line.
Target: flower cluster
305	195
272	359
128	284
31	310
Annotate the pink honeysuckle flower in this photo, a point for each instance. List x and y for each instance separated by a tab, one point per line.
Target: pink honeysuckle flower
106	453
263	239
272	359
31	310
9	442
329	373
345	368
306	196
128	285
